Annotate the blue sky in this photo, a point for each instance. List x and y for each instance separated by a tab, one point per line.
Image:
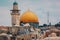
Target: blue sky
40	7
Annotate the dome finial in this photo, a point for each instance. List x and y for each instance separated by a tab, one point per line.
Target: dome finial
28	9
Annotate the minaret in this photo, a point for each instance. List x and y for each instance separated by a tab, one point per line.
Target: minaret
15	14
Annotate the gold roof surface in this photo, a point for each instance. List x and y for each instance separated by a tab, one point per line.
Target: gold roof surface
28	16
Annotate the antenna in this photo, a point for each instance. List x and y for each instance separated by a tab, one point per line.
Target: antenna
48	18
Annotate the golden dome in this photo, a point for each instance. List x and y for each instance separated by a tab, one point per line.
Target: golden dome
28	16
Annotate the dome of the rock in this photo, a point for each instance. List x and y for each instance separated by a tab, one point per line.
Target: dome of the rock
28	16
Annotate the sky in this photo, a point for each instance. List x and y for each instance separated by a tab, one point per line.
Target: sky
40	7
